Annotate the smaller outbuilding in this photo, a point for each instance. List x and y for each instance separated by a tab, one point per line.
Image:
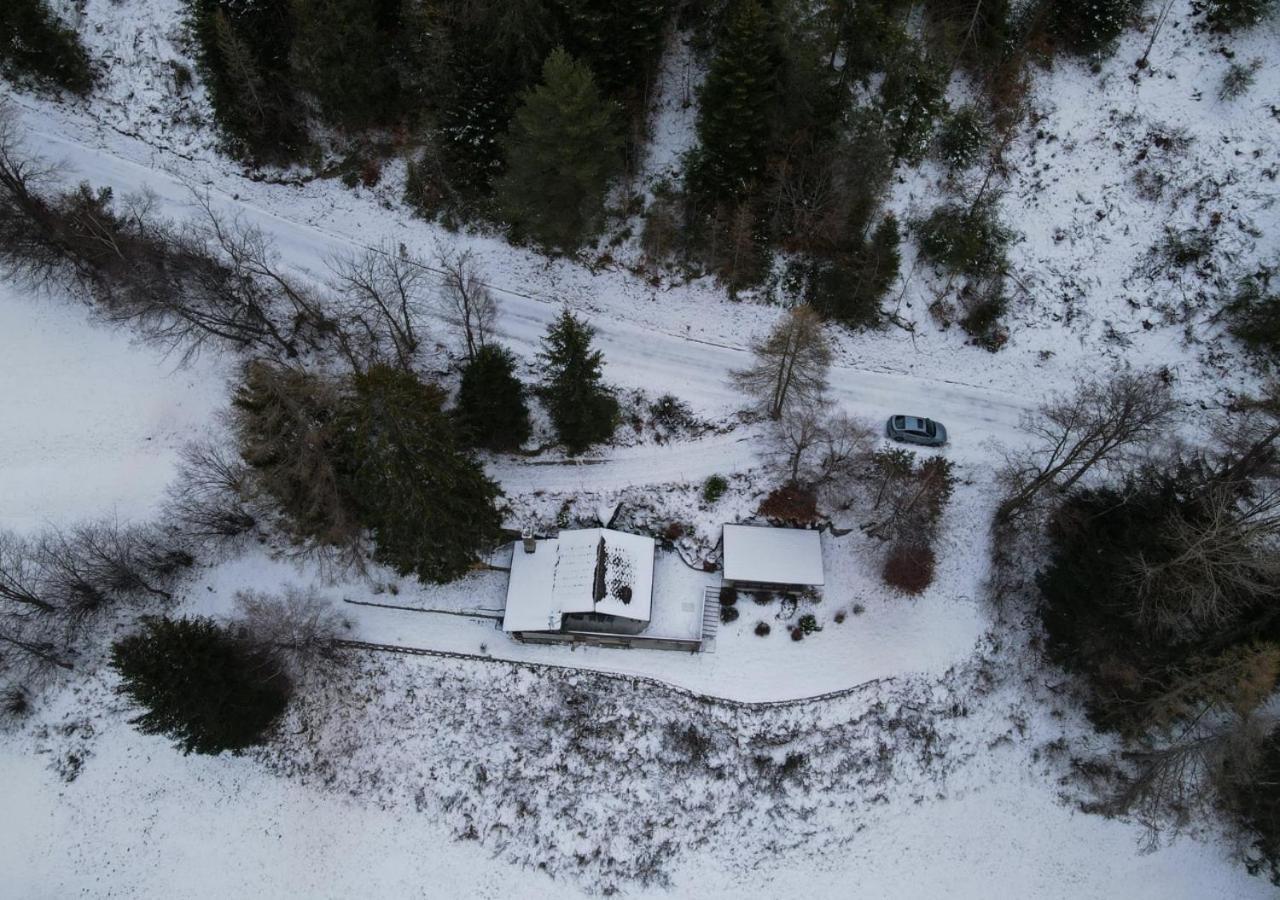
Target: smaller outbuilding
760	557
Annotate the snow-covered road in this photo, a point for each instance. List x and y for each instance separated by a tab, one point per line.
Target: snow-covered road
690	358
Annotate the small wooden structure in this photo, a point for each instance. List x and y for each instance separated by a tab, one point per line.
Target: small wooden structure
760	557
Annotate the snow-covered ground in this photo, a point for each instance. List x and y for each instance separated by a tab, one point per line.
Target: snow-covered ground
411	776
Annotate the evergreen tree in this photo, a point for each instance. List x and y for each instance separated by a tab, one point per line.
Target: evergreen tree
429	505
244	50
620	39
345	54
200	685
33	42
285	423
562	149
582	409
912	97
850	288
491	404
735	106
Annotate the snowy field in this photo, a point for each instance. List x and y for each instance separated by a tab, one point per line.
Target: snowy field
932	774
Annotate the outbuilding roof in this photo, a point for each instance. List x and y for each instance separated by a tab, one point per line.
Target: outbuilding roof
791	556
581	571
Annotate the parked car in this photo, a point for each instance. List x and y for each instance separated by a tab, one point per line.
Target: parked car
914	430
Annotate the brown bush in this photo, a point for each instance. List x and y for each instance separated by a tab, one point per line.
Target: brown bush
791	503
909	568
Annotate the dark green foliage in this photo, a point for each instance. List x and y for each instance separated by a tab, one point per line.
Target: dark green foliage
1252	795
491	403
868	33
349	55
244	50
986	306
849	287
713	488
286	426
1254	315
976	33
1231	15
762	629
912	98
429	505
620	40
808	624
1094	612
965	239
200	685
735	107
962	138
562	150
729	614
582	409
34	43
1089	26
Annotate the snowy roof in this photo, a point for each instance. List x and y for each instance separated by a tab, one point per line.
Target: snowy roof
772	555
581	571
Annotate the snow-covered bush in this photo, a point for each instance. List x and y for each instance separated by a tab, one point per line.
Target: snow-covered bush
729	614
965	239
1090	26
1238	79
909	567
962	137
713	488
35	44
1230	15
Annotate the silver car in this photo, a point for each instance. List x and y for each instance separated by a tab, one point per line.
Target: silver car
914	430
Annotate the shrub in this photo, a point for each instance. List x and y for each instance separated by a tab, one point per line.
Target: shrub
963	135
728	614
983	318
797	634
199	685
1251	794
969	240
673	531
728	596
808	623
912	97
713	488
909	567
762	629
761	598
858	609
1089	26
1254	316
1228	15
1238	79
791	503
35	43
840	617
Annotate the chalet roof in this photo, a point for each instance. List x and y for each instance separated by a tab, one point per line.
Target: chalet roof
581	571
791	556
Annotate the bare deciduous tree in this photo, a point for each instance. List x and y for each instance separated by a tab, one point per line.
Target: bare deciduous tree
385	294
1219	562
1075	433
467	304
301	621
791	364
209	498
812	448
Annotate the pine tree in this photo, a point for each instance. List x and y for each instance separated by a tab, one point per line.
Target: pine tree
429	505
284	421
735	107
582	409
491	404
200	685
850	289
345	54
562	149
244	51
621	41
34	42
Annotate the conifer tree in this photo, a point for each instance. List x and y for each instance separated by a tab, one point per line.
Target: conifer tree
791	363
200	685
621	41
429	505
34	42
491	404
344	53
562	149
735	106
582	409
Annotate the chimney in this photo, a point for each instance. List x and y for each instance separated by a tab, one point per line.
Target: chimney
526	538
